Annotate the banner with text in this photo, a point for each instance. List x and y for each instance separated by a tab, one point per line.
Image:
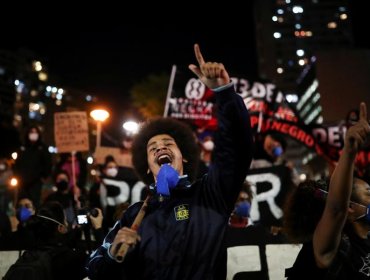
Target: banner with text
192	102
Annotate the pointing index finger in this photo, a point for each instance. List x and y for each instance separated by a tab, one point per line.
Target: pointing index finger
363	111
198	55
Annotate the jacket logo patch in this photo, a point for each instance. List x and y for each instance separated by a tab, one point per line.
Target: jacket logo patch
181	212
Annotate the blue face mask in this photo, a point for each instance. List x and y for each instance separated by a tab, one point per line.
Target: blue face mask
167	179
243	209
367	216
277	151
23	214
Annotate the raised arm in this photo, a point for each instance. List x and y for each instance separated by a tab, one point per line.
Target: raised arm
328	232
233	139
212	74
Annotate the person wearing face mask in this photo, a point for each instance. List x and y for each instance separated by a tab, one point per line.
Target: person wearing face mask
20	238
270	148
64	195
114	190
243	232
33	165
269	162
240	216
333	220
75	165
48	226
25	209
181	235
206	145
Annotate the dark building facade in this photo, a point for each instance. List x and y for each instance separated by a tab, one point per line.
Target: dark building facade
289	32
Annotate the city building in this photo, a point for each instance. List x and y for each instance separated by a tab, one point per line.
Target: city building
28	96
290	32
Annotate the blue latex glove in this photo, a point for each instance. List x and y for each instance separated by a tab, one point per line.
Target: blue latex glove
167	179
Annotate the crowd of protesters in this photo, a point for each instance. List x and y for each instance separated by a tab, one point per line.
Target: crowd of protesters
88	217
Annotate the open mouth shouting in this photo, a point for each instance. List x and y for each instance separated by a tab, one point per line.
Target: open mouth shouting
163	158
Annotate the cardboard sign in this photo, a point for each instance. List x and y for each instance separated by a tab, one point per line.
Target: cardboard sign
123	158
71	132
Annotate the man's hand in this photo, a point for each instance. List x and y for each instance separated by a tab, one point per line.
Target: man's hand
212	74
359	133
124	236
97	221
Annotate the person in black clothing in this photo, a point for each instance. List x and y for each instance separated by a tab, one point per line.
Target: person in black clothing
80	171
48	228
33	165
64	195
19	238
333	225
181	235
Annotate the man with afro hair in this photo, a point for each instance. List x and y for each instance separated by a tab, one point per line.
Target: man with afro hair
181	235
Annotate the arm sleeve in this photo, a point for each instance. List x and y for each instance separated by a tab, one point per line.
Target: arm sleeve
233	147
100	264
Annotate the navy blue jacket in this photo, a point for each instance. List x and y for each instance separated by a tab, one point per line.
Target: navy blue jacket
182	237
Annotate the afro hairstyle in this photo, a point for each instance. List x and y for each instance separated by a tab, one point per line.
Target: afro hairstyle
180	132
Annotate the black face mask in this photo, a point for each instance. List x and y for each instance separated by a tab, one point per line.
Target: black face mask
62	185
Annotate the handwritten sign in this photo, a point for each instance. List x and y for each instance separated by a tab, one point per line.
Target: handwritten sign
71	131
123	158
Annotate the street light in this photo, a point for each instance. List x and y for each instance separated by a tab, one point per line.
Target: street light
99	115
130	127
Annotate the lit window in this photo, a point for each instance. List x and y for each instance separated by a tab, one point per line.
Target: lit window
291	98
90	160
277	35
37	66
332	25
297	9
308	33
43	76
280	70
300	52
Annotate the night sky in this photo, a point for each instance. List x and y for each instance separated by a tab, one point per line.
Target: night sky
106	55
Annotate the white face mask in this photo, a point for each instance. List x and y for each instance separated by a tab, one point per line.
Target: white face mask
208	145
33	136
112	172
2	167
